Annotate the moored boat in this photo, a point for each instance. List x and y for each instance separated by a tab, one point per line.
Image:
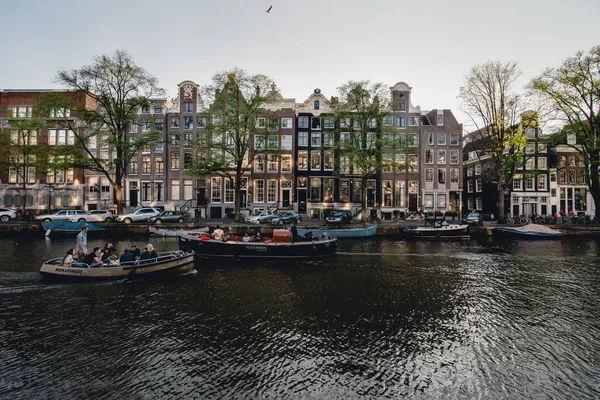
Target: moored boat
527	232
366	231
279	247
169	263
68	227
173	232
437	229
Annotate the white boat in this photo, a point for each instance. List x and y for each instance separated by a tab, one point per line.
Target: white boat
174	232
438	229
170	263
361	232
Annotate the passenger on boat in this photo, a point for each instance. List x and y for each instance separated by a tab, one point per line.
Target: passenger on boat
109	252
246	238
226	237
68	260
294	231
257	237
127	256
94	259
135	251
149	253
308	235
324	236
218	233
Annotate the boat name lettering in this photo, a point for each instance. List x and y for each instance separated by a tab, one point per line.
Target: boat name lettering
257	248
70	270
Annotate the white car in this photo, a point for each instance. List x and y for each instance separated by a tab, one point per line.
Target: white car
63	215
259	217
94	216
6	214
141	214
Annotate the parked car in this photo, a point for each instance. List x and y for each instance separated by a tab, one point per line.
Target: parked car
473	218
339	217
94	216
167	216
62	215
286	218
259	217
141	214
6	214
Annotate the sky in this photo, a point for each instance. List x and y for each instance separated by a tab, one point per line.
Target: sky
429	44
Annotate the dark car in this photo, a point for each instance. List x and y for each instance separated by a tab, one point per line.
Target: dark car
473	218
339	217
286	218
167	216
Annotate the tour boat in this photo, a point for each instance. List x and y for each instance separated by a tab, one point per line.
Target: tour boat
170	263
173	232
529	231
366	231
280	246
435	228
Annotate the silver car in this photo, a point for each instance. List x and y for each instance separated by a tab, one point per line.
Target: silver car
63	215
94	216
6	214
141	214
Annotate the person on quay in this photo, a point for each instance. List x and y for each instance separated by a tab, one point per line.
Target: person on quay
68	259
94	259
135	251
127	256
81	246
294	232
324	236
218	233
149	253
308	235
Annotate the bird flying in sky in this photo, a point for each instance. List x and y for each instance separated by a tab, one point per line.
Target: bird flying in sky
269	9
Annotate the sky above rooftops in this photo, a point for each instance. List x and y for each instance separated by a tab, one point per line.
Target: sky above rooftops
430	44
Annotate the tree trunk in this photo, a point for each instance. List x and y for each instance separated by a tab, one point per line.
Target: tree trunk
119	198
363	211
501	212
24	204
238	197
595	188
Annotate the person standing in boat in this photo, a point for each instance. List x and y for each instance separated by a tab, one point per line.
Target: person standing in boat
218	233
294	232
81	246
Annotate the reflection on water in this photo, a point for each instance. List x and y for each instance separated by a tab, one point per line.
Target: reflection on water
384	318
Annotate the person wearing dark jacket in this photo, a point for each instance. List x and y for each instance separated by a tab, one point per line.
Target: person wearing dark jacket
294	231
135	251
149	253
127	256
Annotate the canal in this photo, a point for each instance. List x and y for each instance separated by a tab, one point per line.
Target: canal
382	319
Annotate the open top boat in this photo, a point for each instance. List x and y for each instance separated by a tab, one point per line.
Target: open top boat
173	232
437	229
170	263
366	231
529	231
280	246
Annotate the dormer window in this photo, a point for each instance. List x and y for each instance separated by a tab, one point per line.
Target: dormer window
317	104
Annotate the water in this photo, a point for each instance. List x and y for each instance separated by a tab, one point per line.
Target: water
382	319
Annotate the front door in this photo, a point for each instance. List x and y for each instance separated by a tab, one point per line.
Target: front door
243	199
133	197
302	201
285	201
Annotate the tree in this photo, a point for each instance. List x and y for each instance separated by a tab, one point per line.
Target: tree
496	111
236	99
119	88
359	112
572	92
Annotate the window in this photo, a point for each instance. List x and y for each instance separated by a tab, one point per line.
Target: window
187	139
428	200
430	138
315	139
259	163
146	165
541	182
286	163
259	191
328	139
174	122
441	139
400	122
158	110
470	188
316	105
428	156
174	139
315	189
159	147
175	160
328	123
479	203
441	157
175	189
273	124
478	186
272	163
517	184
302	122
229	190
315	160
328	161
286	123
303	139
271	190
387	193
401	140
454	157
62	137
316	123
215	189
529	183
470	204
413	140
159	165
413	163
187	160
344	165
530	133
478	169
542	163
259	142
286	142
469	171
159	125
400	106
413	121
188	123
441	200
530	163
273	143
454	139
441	176
401	162
303	160
201	122
399	194
453	175
344	138
133	167
440	118
188	107
428	175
